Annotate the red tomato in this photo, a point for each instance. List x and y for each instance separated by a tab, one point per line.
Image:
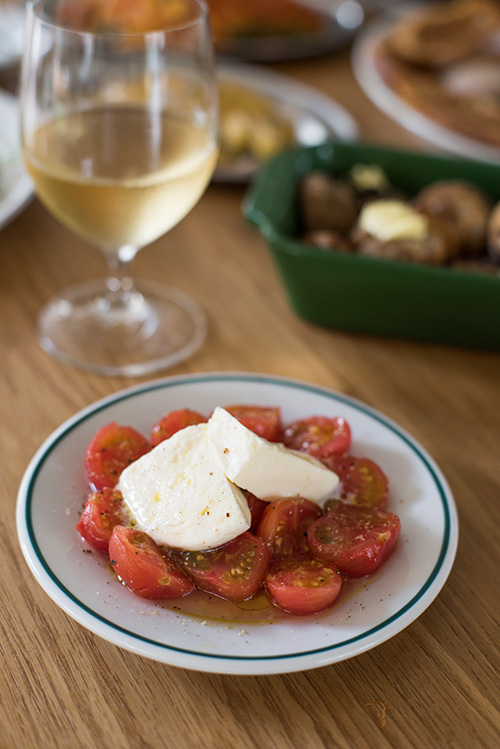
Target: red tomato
355	539
305	586
257	507
143	567
234	571
263	420
111	450
173	422
101	513
284	526
319	436
363	481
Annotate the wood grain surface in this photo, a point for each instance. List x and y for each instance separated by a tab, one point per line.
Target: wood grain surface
433	686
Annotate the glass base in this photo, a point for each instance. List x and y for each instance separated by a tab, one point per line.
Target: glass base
152	328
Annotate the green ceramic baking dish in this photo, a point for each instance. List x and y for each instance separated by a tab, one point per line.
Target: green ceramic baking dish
380	297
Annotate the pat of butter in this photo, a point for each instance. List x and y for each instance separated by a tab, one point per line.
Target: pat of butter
368	177
387	220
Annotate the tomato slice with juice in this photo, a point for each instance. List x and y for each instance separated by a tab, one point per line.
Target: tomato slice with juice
234	571
262	420
102	512
284	525
303	587
173	422
144	568
356	540
112	449
363	481
257	507
319	436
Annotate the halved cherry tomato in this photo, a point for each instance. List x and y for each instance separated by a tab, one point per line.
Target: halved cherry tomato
355	539
173	422
144	568
320	436
257	507
363	481
102	512
263	420
305	586
234	571
284	526
111	450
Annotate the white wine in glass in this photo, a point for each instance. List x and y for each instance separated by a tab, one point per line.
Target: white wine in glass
119	131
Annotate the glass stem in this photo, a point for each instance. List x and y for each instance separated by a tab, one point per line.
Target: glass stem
119	280
123	303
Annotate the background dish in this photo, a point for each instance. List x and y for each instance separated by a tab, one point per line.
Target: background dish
382	297
339	21
16	187
54	486
373	85
313	116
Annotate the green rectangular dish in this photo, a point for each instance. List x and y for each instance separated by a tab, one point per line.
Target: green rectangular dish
381	297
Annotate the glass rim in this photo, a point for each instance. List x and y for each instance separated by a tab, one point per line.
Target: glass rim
38	9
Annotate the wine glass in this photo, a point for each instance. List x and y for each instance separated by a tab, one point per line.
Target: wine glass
120	136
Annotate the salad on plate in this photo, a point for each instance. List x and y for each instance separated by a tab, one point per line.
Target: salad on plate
239	506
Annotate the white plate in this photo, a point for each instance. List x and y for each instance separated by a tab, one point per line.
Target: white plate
370	80
54	487
314	117
16	187
12	17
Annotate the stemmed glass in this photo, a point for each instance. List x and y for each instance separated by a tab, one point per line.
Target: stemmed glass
119	132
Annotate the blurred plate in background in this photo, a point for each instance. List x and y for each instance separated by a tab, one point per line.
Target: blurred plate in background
11	32
291	31
445	137
16	187
263	113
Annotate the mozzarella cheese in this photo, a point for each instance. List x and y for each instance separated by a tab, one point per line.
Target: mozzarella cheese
266	469
179	495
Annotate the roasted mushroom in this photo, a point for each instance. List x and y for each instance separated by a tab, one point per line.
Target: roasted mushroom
326	203
460	205
493	235
394	230
326	239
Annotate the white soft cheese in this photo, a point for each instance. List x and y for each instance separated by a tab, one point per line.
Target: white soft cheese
178	494
264	468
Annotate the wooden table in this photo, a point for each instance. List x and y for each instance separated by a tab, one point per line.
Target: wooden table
434	685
